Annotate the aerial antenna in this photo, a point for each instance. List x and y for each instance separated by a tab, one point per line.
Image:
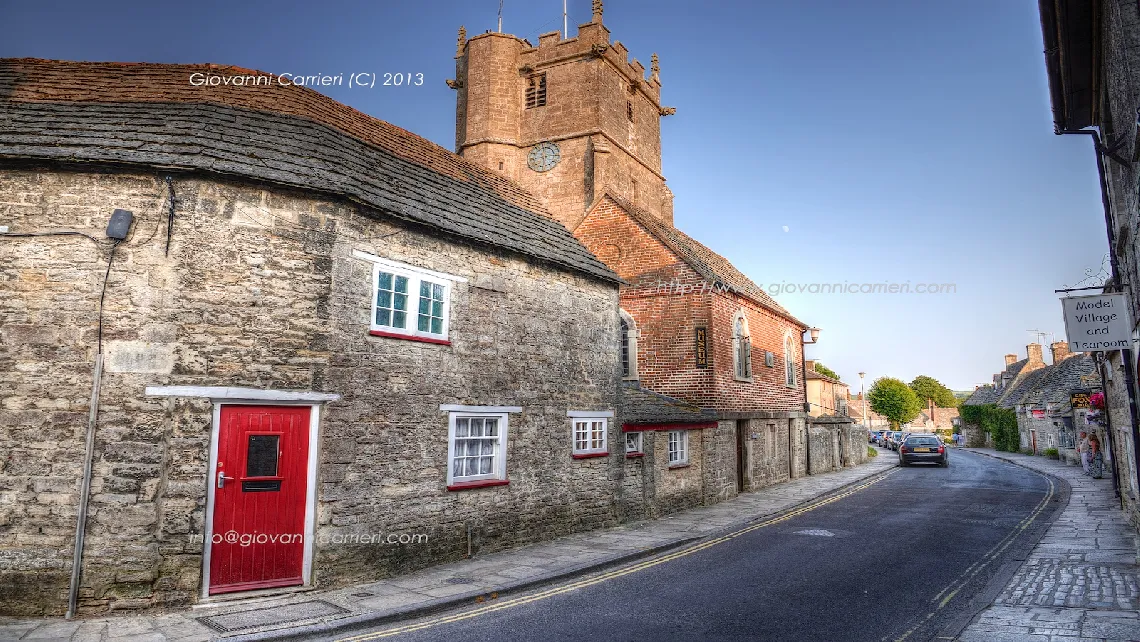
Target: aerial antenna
565	23
1039	334
500	16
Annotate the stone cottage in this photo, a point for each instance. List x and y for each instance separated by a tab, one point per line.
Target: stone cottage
1045	416
578	124
319	348
1009	385
1092	59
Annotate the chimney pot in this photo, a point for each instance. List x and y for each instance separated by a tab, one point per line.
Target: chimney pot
1060	351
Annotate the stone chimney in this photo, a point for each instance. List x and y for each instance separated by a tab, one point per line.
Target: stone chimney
1060	351
810	365
1010	359
1034	352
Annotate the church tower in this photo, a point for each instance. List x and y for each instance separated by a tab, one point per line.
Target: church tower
568	119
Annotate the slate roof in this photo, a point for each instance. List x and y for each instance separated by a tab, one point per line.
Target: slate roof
641	406
1060	380
983	395
713	267
149	115
1015	393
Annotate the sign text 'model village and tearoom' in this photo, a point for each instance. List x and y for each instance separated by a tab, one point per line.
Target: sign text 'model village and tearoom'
1097	323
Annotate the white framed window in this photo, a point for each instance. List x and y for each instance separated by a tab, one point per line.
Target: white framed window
678	447
476	447
789	361
590	436
633	443
741	348
628	346
409	301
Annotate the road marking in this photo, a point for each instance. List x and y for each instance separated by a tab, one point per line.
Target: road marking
616	573
962	580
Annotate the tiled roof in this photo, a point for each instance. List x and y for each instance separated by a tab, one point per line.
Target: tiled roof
149	115
641	406
813	374
713	267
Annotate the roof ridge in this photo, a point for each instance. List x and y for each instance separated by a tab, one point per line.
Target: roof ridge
661	231
340	116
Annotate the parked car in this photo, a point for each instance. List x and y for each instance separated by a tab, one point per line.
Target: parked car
893	439
884	438
877	437
923	448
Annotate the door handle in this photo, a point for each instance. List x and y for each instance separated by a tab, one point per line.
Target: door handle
222	479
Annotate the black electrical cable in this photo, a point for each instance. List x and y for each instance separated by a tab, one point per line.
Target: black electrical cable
67	233
103	294
170	216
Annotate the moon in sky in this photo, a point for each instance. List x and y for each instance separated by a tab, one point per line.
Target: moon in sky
785	228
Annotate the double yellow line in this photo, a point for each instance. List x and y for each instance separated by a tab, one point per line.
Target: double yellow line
945	595
616	573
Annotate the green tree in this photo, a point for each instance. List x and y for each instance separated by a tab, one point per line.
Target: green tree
894	400
927	388
825	371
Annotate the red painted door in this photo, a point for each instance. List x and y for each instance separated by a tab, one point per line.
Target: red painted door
259	498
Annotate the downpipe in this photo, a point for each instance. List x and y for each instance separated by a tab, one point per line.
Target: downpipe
84	489
1126	355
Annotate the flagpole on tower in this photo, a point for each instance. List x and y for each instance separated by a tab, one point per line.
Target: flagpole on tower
565	24
500	16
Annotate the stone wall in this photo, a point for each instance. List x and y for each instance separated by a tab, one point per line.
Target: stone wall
1120	41
835	443
260	290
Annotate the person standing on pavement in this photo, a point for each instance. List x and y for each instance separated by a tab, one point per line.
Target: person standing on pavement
1095	457
1083	451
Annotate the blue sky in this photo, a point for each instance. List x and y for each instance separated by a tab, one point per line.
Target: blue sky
897	141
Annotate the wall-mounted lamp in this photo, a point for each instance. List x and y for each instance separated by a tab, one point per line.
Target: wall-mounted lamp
814	335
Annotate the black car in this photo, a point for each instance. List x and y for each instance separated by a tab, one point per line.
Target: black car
923	448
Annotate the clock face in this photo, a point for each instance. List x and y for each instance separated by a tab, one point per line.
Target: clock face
543	157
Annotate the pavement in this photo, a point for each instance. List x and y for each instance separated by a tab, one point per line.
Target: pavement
911	554
487	577
1081	581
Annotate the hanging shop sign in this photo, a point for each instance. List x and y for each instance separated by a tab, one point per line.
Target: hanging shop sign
1097	323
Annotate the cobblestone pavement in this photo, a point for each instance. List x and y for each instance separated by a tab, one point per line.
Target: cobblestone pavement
1082	580
448	584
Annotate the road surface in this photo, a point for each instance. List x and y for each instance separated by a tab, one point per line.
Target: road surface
912	554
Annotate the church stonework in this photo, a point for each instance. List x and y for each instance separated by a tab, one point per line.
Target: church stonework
583	98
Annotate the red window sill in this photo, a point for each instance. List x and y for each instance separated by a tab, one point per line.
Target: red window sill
590	455
408	337
483	483
634	455
679	466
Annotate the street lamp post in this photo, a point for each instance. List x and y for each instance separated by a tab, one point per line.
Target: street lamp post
863	396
